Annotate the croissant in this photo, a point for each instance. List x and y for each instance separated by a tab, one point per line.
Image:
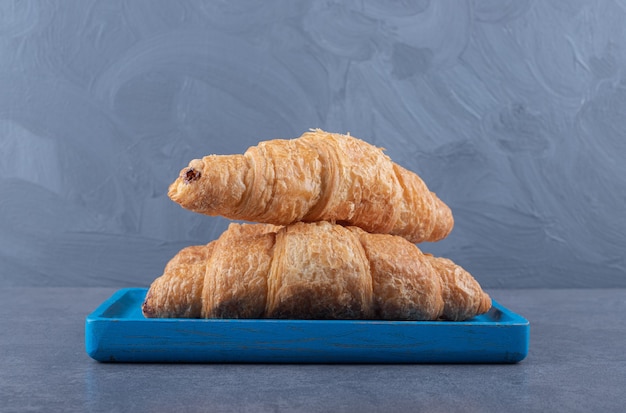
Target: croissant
319	176
312	271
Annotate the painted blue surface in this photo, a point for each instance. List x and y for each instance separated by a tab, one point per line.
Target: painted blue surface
117	332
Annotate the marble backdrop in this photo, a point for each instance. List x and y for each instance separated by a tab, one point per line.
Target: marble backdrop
513	112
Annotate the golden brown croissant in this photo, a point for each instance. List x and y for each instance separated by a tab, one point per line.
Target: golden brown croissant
312	271
319	176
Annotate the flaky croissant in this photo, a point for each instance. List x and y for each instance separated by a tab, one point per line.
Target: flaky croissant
319	176
312	271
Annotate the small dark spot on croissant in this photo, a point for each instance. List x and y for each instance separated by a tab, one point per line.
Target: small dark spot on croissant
190	175
147	310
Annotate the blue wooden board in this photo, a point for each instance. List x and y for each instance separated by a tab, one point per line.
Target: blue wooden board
117	332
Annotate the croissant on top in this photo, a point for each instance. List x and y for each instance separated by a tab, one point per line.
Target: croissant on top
319	176
312	271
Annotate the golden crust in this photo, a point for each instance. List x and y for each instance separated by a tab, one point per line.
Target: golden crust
178	292
361	187
462	295
319	271
405	285
313	270
235	284
319	176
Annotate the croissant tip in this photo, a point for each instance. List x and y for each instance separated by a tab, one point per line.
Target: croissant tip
172	192
147	310
485	304
186	176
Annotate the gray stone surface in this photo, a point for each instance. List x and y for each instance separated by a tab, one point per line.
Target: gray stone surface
576	363
512	111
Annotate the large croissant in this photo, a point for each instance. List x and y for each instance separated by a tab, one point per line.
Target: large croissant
312	271
319	176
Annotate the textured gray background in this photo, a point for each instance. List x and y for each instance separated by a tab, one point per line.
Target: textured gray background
514	112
